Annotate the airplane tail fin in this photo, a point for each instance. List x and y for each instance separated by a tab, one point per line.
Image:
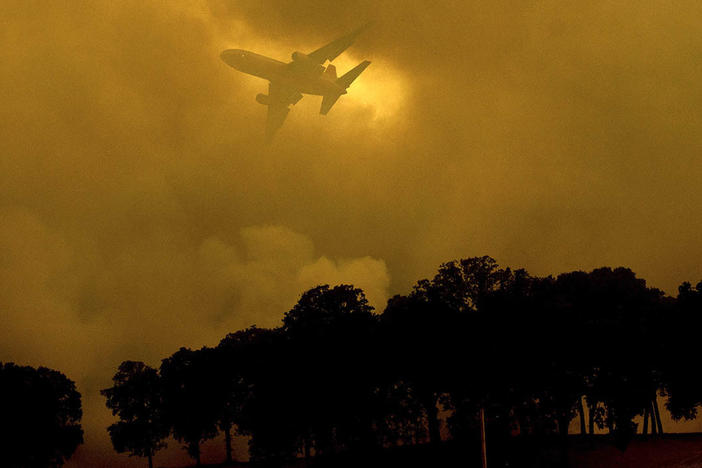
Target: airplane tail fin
330	73
344	82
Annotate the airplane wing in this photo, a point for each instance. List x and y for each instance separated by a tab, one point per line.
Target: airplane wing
335	48
279	100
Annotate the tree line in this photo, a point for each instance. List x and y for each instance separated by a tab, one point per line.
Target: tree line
335	376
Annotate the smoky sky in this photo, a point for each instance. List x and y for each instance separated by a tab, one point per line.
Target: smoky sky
140	210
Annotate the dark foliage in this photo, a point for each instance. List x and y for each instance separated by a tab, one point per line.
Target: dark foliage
40	411
683	379
136	398
336	380
188	379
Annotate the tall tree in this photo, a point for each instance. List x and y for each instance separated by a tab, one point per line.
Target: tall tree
271	414
136	398
625	316
462	299
619	376
188	390
418	336
681	369
330	331
237	367
41	412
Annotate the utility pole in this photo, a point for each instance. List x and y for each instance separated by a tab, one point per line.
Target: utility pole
483	445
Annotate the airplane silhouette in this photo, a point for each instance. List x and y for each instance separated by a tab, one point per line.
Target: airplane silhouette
306	74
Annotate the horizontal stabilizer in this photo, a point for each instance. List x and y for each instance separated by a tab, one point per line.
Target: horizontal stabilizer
327	102
346	80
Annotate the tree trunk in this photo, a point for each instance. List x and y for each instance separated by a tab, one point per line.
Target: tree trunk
658	416
645	421
653	419
151	461
308	448
228	441
433	420
196	452
581	409
591	416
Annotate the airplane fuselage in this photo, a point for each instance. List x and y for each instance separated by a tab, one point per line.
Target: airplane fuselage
304	76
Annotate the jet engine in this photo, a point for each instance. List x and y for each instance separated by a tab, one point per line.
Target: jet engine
263	99
299	57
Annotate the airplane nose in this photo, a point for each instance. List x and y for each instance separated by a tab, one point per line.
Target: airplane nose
232	57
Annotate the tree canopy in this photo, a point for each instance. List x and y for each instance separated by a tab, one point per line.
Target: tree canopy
40	413
136	398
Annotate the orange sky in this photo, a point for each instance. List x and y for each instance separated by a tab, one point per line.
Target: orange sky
141	211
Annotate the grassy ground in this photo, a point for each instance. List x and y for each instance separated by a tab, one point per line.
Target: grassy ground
668	451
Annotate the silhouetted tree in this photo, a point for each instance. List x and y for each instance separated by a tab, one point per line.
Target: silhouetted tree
40	411
619	376
420	338
624	370
519	353
682	375
473	354
189	407
401	416
330	332
136	399
270	413
237	365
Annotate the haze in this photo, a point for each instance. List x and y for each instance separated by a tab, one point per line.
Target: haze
141	211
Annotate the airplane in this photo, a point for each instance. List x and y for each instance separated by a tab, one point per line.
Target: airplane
305	74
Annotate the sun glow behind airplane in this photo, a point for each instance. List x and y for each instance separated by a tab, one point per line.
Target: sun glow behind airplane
380	98
384	89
